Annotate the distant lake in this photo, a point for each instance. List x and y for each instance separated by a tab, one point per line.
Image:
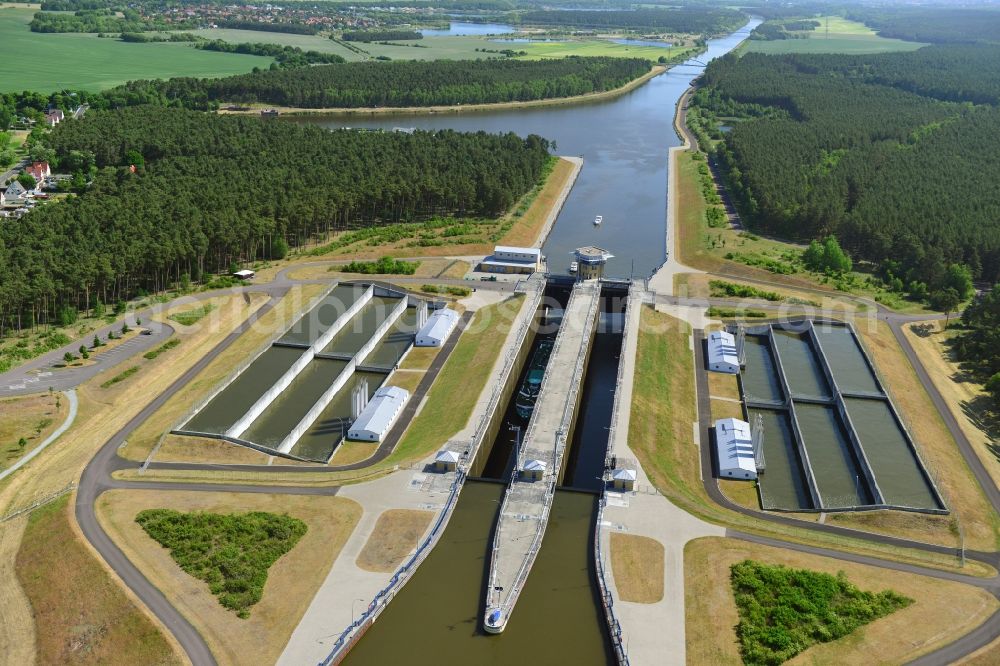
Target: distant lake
642	42
457	28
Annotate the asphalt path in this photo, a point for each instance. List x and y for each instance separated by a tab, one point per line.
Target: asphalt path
96	479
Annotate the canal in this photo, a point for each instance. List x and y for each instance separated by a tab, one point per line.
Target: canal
624	143
436	617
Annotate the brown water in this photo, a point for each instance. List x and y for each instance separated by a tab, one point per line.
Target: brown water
292	404
360	328
782	485
311	325
326	432
760	378
836	472
847	362
896	469
233	401
801	366
395	342
436	618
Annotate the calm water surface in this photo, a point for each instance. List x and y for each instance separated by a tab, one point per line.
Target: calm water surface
624	143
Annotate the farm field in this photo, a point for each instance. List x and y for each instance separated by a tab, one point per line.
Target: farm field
594	47
843	36
84	61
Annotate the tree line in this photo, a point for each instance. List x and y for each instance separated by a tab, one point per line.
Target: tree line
287	57
941	25
692	20
844	146
211	191
368	36
398	83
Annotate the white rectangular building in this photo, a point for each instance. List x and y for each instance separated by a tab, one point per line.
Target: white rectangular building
437	329
734	446
379	416
510	259
722	354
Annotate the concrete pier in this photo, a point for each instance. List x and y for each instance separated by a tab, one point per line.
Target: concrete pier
525	509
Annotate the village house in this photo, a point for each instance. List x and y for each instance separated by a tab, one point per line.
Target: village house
15	194
40	172
54	117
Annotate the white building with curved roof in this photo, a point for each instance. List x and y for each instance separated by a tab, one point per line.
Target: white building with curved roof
437	329
378	417
734	446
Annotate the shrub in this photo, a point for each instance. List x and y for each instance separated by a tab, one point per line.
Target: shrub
230	552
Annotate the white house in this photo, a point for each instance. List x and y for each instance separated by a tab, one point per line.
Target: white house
244	274
54	117
381	413
15	193
734	446
437	329
722	355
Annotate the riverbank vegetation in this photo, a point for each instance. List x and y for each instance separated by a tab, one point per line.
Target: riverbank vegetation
872	150
77	607
783	611
393	84
231	553
690	20
194	209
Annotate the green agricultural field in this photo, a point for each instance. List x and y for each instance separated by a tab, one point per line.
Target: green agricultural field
49	62
596	47
835	35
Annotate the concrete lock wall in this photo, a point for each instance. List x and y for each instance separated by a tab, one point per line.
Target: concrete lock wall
243	365
345	374
286	379
852	433
489	425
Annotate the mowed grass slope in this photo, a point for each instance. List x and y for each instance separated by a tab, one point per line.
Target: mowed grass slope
835	35
593	47
81	614
50	62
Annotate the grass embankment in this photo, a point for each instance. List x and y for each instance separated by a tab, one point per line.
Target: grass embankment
979	524
600	47
292	581
835	35
785	611
231	552
637	563
446	410
455	237
230	312
967	399
81	614
77	60
26	422
942	610
661	435
395	536
740	254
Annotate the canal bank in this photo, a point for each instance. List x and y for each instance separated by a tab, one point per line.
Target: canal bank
622	165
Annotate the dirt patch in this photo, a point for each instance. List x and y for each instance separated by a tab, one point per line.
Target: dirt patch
943	610
395	536
637	564
292	580
81	614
